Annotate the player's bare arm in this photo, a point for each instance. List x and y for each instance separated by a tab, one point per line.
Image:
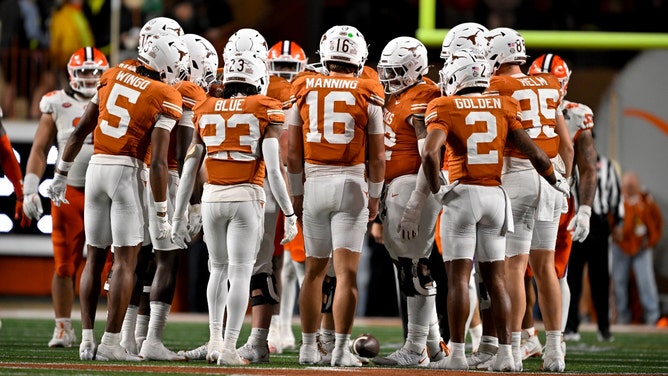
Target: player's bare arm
585	158
431	161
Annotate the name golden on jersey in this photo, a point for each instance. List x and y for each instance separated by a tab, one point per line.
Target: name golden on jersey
475	103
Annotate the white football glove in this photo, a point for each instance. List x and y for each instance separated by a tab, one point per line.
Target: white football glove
289	228
562	185
408	227
579	225
180	234
32	206
444	190
194	219
164	228
56	190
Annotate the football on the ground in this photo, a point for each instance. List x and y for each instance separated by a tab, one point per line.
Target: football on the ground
365	345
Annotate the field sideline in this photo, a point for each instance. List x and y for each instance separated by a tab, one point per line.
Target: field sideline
26	328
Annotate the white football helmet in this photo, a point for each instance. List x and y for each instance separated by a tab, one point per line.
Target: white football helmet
463	69
158	26
505	45
246	39
167	55
203	59
464	36
344	44
246	67
402	63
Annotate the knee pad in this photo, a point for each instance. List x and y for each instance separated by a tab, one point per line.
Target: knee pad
415	277
328	290
483	295
266	284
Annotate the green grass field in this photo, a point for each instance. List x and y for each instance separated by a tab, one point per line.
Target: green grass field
24	341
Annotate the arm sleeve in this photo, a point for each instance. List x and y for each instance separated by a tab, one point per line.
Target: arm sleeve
376	125
10	165
274	176
188	180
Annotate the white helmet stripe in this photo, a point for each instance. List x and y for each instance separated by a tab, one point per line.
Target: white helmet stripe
547	62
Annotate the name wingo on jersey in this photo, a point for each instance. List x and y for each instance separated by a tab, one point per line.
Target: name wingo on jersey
129	104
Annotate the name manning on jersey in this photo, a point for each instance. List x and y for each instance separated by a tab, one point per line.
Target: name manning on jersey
133	80
331	83
476	103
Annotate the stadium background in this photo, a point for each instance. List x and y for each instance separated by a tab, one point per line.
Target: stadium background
601	79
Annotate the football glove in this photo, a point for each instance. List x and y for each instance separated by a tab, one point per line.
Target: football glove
408	227
180	234
164	228
562	185
194	219
444	190
56	191
289	228
579	225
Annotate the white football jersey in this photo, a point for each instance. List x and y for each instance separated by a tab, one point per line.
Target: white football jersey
66	111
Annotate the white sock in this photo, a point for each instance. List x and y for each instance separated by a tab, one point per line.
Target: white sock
553	339
141	330
158	321
88	335
111	339
230	338
215	332
129	324
476	336
456	349
258	335
341	340
65	321
565	301
489	340
516	340
308	338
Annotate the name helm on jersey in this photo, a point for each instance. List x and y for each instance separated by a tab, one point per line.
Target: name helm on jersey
158	26
466	35
344	44
464	69
85	68
286	58
505	45
203	59
167	55
402	63
551	63
245	67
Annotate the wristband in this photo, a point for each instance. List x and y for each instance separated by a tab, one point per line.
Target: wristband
296	184
585	209
547	172
375	189
64	166
30	183
160	207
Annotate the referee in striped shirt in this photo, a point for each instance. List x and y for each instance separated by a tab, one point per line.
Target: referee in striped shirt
607	212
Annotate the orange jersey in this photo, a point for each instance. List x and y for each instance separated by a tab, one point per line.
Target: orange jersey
539	99
370	73
401	151
232	130
281	89
477	128
335	115
129	105
191	94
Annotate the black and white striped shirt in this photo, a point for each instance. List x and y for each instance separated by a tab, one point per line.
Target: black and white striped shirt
608	197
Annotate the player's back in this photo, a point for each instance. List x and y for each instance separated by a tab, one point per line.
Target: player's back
401	150
335	115
129	105
477	128
281	89
232	130
539	99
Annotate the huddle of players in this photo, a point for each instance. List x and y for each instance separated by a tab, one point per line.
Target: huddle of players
464	113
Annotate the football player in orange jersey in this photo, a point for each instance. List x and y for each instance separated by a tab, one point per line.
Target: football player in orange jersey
410	215
131	112
137	316
232	130
536	208
61	112
476	210
286	59
579	121
335	122
10	165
